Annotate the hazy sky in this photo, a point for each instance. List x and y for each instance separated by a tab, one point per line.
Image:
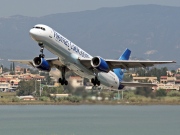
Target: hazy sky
46	7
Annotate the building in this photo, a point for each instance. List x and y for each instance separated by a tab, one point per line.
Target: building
60	95
10	82
28	77
4	79
76	81
145	79
29	97
167	87
171	80
163	79
167	79
20	70
5	87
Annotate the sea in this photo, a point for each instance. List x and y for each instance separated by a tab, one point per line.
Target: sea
89	120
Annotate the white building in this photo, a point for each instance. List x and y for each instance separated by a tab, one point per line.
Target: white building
76	81
4	87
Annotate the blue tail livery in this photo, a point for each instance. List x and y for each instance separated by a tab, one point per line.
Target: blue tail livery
118	71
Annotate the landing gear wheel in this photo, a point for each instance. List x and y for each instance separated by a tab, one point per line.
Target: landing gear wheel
66	82
41	55
92	80
95	81
98	83
60	80
40	44
63	81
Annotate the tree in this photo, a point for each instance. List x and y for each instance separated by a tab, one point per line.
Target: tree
127	77
2	67
146	91
24	70
5	69
48	78
27	88
11	67
161	93
153	72
33	71
46	91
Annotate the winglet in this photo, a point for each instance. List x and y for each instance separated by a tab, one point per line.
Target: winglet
125	55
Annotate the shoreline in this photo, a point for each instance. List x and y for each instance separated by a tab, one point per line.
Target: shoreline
90	103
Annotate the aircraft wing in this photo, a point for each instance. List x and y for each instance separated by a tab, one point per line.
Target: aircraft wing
52	61
125	64
134	84
26	62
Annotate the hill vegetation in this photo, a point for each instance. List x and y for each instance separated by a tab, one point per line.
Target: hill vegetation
150	31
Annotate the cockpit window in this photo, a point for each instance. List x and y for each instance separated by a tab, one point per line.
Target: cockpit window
39	28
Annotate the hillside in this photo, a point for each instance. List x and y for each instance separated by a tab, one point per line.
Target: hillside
150	31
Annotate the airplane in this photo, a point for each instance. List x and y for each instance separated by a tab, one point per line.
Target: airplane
106	72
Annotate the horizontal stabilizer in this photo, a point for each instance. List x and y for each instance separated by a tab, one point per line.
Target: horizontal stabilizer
137	84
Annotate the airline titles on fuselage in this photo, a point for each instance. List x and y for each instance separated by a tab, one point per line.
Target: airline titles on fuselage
70	45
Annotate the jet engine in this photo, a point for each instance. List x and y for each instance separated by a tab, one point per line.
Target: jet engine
41	64
100	64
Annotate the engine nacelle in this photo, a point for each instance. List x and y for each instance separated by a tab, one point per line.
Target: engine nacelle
41	64
100	64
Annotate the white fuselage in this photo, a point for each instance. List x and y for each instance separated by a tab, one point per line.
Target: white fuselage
69	53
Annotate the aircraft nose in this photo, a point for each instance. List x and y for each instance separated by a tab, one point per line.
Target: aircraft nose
33	33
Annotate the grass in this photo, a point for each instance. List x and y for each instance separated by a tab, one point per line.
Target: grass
10	98
7	94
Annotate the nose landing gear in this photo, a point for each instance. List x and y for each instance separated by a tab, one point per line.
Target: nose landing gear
41	50
62	80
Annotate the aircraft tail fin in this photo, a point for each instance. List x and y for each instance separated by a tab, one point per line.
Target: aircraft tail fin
125	55
118	71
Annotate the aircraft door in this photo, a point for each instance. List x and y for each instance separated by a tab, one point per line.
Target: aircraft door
69	46
51	34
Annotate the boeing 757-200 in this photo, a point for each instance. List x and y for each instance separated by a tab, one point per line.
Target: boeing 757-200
107	72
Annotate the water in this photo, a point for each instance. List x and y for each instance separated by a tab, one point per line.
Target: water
89	120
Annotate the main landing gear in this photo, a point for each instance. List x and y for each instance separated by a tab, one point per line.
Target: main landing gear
95	81
63	80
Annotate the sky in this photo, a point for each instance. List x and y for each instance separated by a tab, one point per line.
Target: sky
37	8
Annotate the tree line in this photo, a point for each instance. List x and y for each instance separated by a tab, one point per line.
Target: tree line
152	72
